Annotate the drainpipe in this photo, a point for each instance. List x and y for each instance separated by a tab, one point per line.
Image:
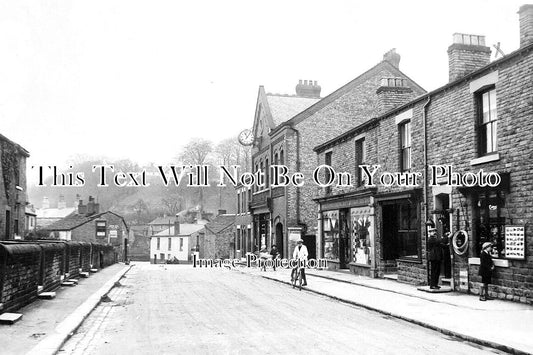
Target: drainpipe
298	170
426	214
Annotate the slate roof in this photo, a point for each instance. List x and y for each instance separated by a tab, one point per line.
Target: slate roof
163	220
221	223
186	229
75	220
284	107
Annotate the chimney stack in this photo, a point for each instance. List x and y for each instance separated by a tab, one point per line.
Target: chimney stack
61	202
393	92
176	228
82	209
308	88
526	24
46	203
393	58
467	54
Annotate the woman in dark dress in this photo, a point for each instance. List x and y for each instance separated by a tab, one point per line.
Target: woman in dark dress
485	271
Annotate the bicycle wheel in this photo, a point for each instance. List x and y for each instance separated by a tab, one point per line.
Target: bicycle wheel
294	279
300	279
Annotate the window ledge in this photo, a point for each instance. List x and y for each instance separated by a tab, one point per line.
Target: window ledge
485	159
412	261
497	262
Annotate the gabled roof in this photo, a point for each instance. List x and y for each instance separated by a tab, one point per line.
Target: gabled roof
278	108
186	229
74	220
417	89
284	107
19	148
221	223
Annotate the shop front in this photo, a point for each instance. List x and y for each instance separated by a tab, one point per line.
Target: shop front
347	234
400	238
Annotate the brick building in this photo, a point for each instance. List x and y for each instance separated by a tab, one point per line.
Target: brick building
13	196
287	128
88	224
480	120
243	222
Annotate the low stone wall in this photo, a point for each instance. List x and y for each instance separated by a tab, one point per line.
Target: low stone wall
26	265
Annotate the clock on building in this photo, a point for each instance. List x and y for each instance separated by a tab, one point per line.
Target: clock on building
246	137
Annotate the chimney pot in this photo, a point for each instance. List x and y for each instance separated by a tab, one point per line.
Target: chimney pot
393	58
467	54
309	88
525	14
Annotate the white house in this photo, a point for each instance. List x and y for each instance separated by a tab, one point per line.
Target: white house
174	242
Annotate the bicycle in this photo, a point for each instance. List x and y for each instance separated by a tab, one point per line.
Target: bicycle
297	277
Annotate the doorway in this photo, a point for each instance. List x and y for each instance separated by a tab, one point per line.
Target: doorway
279	238
310	243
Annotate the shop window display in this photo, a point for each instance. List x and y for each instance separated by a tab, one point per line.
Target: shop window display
490	222
331	235
360	236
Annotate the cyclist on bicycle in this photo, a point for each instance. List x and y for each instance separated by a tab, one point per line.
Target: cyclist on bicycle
300	253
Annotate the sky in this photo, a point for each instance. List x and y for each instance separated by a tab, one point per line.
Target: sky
139	79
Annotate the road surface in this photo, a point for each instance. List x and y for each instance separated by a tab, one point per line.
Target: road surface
175	309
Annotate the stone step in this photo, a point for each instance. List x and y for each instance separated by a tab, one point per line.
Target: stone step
442	289
10	318
47	295
93	270
84	274
68	283
40	289
391	277
73	280
447	281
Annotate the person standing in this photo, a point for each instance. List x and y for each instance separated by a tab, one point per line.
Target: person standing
275	254
434	258
300	253
486	267
446	255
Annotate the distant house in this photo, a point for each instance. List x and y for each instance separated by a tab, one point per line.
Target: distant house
31	219
174	243
88	224
12	189
218	242
139	243
47	215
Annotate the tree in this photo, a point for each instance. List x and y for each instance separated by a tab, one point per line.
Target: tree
197	152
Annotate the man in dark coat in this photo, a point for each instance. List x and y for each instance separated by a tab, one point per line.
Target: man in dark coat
486	266
434	258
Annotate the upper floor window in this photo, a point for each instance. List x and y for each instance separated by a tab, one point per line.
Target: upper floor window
488	122
405	145
360	158
327	161
281	158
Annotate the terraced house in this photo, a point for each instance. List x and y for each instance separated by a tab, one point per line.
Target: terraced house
13	195
480	123
288	127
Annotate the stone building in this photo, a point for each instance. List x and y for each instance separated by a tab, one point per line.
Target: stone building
287	128
478	126
88	224
13	195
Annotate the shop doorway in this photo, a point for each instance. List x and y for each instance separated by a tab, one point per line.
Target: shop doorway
279	238
344	239
442	216
310	243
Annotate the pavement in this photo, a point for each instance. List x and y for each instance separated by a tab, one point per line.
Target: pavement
503	325
47	324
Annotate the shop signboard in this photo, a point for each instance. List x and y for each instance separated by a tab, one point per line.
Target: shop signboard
515	242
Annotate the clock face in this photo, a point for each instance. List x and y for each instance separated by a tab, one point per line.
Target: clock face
246	137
